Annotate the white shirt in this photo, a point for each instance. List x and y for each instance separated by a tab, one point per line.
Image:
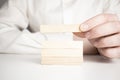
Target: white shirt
20	20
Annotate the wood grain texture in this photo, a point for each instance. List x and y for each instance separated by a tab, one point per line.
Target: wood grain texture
60	60
59	28
62	44
62	52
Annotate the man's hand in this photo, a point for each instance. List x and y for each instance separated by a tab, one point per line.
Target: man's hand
103	31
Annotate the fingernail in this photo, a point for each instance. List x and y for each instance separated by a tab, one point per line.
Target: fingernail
87	35
84	27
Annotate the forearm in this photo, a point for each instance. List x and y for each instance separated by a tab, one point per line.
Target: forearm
12	23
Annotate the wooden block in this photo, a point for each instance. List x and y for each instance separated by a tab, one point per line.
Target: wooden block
61	56
62	44
58	60
62	52
59	28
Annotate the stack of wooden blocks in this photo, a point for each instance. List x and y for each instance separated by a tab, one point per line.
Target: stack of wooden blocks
61	52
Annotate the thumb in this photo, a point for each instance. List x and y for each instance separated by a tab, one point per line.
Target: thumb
79	34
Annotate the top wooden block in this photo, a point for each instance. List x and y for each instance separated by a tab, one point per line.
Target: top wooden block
59	28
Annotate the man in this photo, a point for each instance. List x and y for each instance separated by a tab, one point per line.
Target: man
20	21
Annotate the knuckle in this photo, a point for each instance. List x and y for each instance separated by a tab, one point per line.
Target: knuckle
100	43
104	17
109	17
95	32
114	25
110	24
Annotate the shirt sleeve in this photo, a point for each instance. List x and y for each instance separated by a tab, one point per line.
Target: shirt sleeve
112	6
13	20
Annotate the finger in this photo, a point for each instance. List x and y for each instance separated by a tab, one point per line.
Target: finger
79	34
106	29
105	42
97	20
110	52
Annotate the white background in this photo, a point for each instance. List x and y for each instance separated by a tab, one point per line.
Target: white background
28	67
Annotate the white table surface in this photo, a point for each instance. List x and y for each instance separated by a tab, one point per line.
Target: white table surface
28	67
